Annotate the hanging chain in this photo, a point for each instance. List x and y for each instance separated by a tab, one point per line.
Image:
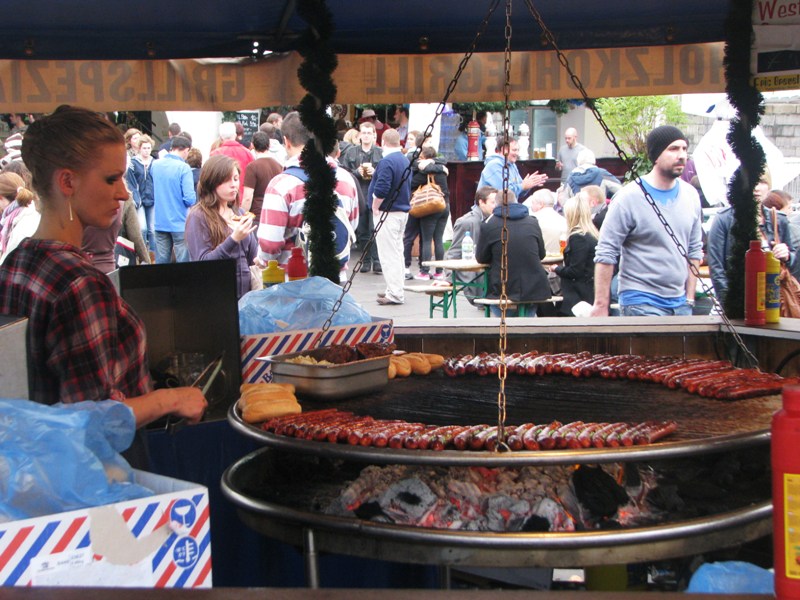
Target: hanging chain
502	369
638	180
428	132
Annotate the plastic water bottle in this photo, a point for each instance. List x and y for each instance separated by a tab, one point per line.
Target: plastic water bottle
468	247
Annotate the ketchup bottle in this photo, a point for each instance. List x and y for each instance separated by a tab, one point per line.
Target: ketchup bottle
786	495
296	267
755	281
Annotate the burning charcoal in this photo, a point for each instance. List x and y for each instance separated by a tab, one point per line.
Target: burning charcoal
370	511
408	501
536	524
504	513
598	492
554	513
665	497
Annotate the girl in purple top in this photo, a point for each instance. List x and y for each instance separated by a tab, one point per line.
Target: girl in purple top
215	226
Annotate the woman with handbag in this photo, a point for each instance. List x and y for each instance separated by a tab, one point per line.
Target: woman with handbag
429	170
215	226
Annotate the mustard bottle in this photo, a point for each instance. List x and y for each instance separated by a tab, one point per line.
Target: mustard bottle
773	289
273	274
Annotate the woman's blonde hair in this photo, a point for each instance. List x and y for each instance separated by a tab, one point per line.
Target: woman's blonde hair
579	216
216	171
12	186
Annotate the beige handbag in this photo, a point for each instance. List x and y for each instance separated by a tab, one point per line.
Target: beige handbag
427	199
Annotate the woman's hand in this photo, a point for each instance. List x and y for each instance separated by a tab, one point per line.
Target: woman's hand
781	252
190	404
185	402
243	227
423	163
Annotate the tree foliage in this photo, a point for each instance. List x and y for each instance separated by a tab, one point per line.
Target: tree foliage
632	118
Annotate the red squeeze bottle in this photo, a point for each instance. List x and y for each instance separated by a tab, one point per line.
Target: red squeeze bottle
755	285
786	495
296	267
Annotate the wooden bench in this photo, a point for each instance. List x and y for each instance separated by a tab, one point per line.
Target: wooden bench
439	296
522	305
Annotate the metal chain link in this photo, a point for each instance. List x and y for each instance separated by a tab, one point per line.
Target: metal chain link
428	132
626	159
502	369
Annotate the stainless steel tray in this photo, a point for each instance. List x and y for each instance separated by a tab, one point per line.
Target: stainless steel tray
329	382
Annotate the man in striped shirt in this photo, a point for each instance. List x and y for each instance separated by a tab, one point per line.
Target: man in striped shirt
284	200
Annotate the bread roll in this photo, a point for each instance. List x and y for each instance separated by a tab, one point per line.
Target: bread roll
261	410
401	364
392	370
419	363
436	360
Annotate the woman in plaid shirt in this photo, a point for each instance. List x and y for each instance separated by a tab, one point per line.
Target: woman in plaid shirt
84	341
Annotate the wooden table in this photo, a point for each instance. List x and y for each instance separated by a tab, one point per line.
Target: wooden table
461	265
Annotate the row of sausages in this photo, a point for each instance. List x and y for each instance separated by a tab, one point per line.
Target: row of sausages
707	378
335	426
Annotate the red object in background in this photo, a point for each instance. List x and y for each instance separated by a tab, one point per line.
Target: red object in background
785	439
473	137
296	267
755	284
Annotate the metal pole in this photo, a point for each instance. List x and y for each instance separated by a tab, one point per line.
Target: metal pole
310	556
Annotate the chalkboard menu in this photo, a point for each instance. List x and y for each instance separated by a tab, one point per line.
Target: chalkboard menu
250	120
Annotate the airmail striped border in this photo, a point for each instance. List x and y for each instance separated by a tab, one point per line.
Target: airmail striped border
20	541
254	346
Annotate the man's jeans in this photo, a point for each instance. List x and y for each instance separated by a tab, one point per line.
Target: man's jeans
646	310
166	241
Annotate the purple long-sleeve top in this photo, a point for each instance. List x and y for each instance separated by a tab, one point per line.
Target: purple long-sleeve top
198	240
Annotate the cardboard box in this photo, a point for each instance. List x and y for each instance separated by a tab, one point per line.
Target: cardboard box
159	541
13	357
286	342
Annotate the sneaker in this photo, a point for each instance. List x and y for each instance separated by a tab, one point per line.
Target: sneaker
408	275
386	301
422	276
376	268
365	267
439	277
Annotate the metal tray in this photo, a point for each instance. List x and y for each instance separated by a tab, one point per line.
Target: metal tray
330	382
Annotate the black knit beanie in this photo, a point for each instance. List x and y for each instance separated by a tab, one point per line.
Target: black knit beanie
660	138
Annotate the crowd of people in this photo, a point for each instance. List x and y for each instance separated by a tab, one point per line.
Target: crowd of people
247	202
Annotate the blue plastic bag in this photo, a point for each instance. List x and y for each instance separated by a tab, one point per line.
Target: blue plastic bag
64	457
731	577
300	304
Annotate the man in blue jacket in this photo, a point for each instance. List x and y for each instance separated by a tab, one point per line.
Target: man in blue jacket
173	190
492	174
387	195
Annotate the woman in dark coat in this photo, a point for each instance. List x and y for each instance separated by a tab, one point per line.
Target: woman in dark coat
527	278
577	272
431	227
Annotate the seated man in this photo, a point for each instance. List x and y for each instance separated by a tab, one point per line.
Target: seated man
471	222
527	278
588	173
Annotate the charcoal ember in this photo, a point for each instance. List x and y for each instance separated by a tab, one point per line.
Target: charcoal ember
339	354
557	518
665	497
408	501
598	492
370	511
504	513
375	349
536	524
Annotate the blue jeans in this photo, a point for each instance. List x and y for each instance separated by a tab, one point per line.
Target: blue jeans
147	223
646	310
166	241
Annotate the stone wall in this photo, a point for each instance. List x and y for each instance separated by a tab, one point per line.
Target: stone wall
780	122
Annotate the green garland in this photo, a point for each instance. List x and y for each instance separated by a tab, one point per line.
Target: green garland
748	102
315	75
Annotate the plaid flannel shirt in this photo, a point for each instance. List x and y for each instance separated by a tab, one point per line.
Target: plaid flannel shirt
84	341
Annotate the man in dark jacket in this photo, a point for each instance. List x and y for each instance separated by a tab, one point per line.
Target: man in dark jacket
388	193
527	278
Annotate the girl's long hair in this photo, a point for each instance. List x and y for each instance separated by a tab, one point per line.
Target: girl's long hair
579	216
216	170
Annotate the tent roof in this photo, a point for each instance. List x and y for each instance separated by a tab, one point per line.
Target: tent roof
141	29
